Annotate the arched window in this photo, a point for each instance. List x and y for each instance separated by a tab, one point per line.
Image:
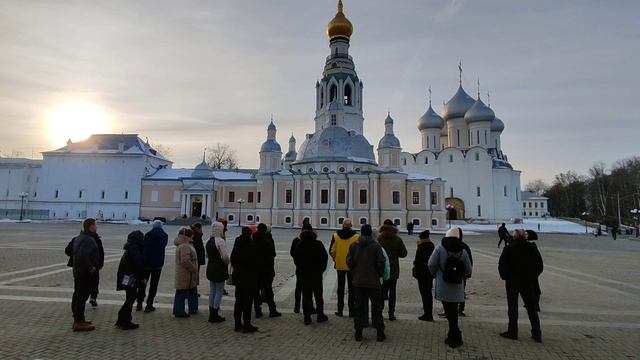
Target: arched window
230	218
321	97
477	156
287	220
434	222
347	95
250	218
426	160
333	92
324	221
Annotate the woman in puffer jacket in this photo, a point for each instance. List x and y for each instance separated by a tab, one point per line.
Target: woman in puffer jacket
186	280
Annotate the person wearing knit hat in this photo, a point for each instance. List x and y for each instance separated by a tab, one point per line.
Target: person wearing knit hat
155	241
306	226
422	274
449	264
367	263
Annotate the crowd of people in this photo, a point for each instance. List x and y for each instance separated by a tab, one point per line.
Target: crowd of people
366	263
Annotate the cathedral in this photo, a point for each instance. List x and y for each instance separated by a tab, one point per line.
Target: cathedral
331	176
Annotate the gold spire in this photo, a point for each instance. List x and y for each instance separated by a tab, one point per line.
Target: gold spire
340	25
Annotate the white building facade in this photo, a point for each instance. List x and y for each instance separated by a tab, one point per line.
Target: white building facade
534	205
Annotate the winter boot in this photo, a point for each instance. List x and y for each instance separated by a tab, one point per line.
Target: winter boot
381	336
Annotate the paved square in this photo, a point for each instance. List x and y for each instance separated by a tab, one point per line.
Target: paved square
590	307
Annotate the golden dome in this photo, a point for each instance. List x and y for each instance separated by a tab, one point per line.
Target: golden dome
340	25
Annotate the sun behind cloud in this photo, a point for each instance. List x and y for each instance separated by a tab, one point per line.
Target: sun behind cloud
76	120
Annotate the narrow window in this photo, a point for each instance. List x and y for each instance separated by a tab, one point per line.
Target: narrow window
396	197
57	193
416	198
250	197
477	156
307	196
477	137
363	196
333	92
126	194
451	192
458	136
505	190
342	198
485	138
347	95
324	196
450	158
479	211
232	196
102	195
426	160
259	197
478	191
334	120
288	196
428	143
80	194
434	198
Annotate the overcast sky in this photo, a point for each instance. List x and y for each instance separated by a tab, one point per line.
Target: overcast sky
563	75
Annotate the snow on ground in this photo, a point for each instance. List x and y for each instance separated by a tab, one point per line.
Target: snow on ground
550	225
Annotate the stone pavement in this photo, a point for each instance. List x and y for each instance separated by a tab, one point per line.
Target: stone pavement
590	307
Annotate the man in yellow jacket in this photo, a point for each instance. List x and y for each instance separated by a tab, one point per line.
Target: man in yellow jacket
339	248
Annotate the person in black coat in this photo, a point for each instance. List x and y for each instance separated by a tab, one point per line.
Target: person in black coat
298	290
245	276
198	244
267	250
93	296
520	265
311	260
130	277
155	243
503	234
423	275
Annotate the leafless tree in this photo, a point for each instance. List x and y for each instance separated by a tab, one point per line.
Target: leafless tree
537	186
222	156
164	150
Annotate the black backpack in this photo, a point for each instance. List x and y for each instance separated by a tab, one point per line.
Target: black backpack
453	271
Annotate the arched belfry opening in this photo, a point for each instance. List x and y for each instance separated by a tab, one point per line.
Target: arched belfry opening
333	92
348	98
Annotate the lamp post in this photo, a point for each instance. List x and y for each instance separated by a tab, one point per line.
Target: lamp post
22	196
449	207
584	216
240	202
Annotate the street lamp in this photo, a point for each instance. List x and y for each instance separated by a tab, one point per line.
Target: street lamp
584	216
240	202
449	207
22	196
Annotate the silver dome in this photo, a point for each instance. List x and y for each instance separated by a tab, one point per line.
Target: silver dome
430	120
290	156
497	125
458	105
335	106
388	120
389	141
336	144
270	146
201	170
479	112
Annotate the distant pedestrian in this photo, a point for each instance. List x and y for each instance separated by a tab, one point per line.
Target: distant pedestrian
503	234
130	277
520	265
410	228
395	248
311	259
423	275
450	265
155	243
217	270
245	276
86	262
367	263
341	240
267	251
538	227
198	244
186	280
298	289
614	232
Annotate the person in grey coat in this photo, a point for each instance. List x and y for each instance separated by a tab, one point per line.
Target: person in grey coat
86	261
450	251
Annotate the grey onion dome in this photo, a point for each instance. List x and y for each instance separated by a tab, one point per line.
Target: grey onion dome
270	146
292	139
479	112
388	120
497	125
389	141
335	106
458	105
430	120
201	170
290	156
335	143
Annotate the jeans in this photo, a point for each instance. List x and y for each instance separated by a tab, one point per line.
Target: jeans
216	291
189	295
342	276
124	315
451	310
389	292
242	306
363	296
426	286
530	303
153	278
312	288
82	286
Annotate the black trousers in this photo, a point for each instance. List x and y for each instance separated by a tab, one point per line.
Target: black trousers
242	306
462	304
298	292
124	315
152	277
451	310
82	287
363	296
389	293
345	276
426	286
96	285
530	303
264	294
312	288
